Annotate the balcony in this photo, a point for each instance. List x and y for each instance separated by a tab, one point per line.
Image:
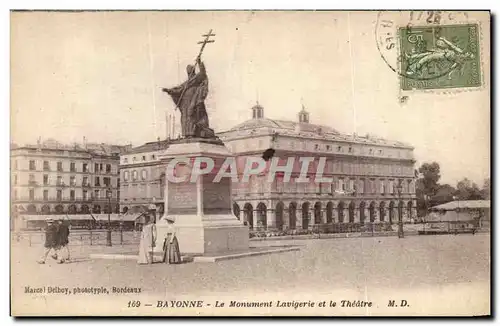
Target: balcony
65	200
33	183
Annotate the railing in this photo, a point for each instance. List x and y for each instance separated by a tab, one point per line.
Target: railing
79	238
64	199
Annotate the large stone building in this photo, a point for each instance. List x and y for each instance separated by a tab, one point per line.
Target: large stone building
142	178
367	173
52	178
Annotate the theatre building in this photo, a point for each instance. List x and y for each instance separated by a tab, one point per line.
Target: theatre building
373	178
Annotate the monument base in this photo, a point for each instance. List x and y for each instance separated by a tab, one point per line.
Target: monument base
202	236
202	210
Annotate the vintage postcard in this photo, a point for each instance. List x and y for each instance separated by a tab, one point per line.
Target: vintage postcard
250	163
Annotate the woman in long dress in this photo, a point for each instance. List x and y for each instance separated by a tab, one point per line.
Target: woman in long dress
148	239
171	252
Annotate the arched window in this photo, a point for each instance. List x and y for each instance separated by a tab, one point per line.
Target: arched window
134	175
144	174
126	175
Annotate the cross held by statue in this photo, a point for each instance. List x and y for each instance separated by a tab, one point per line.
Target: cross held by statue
205	41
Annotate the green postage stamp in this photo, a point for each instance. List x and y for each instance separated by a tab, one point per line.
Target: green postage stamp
440	57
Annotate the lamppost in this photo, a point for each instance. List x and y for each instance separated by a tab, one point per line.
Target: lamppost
108	233
458	210
399	189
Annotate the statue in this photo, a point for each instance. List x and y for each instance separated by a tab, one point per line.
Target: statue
190	97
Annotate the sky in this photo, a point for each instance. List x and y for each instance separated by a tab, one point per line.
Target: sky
99	75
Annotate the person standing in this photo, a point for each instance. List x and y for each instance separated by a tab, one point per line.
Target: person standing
63	235
51	240
147	243
171	252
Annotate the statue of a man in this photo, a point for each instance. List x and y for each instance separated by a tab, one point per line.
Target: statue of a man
190	99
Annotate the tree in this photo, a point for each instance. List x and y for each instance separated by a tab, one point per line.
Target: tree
444	194
467	190
486	191
427	186
430	178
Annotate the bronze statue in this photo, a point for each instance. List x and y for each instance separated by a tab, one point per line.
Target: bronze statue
190	97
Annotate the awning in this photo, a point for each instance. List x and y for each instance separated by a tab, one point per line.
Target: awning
463	204
71	217
117	217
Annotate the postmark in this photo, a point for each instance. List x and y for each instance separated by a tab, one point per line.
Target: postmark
430	50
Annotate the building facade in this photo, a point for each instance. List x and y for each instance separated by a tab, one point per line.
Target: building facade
373	178
142	178
52	178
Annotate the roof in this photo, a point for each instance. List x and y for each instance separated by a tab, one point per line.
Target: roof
83	217
463	204
283	124
305	129
149	147
91	148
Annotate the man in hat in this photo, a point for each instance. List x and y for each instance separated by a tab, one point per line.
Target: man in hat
51	240
63	235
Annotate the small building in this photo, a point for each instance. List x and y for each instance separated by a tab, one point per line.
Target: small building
476	212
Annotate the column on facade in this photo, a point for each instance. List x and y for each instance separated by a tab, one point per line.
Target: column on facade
357	216
286	217
271	219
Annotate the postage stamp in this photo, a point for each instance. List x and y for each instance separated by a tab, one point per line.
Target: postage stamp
436	57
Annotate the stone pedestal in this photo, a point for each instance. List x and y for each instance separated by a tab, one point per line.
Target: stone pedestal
202	209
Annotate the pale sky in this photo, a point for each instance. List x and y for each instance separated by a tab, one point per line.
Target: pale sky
100	75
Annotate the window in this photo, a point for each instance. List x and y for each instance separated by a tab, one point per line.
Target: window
59	195
46	166
97	182
15	179
72	167
144	174
106	181
85	181
382	187
84	195
32	194
16	166
59	166
45	195
144	157
351	185
125	160
350	149
32	165
125	175
108	168
59	180
96	193
72	195
100	167
362	186
391	186
134	175
96	167
153	157
85	167
370	151
316	146
45	179
72	180
339	148
341	184
32	179
108	193
380	152
133	159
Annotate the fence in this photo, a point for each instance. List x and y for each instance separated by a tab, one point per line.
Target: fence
84	237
